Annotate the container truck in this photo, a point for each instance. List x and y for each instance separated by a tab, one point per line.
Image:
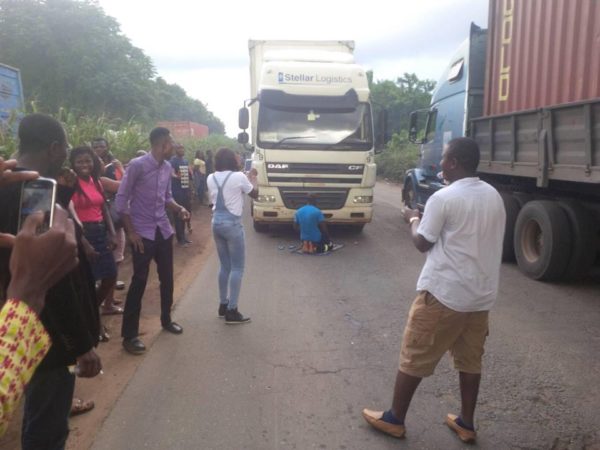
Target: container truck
311	130
527	89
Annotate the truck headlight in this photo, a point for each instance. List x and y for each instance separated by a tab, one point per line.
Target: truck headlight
363	199
266	199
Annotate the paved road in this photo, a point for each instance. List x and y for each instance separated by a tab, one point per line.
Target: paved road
323	344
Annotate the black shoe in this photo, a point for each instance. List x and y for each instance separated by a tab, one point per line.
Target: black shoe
222	310
187	241
120	285
134	346
173	327
233	317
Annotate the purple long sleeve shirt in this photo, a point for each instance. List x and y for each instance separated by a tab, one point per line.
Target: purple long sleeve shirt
143	194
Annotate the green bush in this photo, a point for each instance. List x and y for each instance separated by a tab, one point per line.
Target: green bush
399	156
124	137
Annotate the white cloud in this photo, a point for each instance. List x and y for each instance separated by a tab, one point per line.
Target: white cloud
203	46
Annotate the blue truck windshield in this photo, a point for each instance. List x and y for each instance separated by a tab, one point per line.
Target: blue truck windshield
315	129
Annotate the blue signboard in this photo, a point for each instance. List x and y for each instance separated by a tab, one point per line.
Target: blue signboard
11	92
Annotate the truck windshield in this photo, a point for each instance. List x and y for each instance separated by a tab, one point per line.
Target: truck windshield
315	129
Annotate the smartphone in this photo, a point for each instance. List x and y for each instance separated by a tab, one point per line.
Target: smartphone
38	195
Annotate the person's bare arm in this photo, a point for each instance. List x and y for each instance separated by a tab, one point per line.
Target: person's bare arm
413	217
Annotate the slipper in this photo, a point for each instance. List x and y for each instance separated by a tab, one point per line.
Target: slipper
112	310
79	406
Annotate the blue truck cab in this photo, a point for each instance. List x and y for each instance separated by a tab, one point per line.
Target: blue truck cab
457	98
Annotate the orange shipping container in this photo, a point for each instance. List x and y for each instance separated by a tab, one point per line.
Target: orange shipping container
185	129
541	53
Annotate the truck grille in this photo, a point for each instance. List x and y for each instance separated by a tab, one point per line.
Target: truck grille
315	168
294	198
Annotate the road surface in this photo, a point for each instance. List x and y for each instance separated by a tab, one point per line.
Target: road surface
323	343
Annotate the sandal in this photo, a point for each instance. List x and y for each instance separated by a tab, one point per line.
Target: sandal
111	310
79	406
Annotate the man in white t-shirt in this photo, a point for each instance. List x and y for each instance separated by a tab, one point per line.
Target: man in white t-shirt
462	230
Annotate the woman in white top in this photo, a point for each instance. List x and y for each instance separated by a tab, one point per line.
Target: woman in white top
227	187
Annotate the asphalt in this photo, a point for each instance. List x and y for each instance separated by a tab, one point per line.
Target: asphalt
323	344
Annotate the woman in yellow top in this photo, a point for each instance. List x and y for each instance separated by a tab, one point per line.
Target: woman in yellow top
199	173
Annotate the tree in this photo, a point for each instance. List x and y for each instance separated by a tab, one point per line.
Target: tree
71	54
399	98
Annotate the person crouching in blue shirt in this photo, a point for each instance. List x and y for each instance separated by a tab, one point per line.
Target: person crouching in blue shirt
313	229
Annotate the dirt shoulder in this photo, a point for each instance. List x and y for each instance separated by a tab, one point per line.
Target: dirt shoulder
118	366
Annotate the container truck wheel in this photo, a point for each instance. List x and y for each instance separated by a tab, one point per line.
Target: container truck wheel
357	229
260	227
543	240
512	206
583	229
409	196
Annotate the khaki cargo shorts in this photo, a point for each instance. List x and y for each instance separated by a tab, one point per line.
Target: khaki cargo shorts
433	329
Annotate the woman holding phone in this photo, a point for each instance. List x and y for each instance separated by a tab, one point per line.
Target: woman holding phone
98	230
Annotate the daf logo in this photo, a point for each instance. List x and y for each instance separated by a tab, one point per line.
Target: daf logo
354	168
277	166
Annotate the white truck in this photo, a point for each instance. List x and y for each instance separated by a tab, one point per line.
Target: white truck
312	131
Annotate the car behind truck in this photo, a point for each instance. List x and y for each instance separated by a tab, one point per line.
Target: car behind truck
312	131
527	89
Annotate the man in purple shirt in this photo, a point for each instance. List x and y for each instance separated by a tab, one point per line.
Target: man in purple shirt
142	200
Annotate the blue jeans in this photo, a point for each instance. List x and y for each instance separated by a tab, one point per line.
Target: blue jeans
48	398
229	238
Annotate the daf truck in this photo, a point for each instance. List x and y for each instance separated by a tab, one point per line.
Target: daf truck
527	89
311	131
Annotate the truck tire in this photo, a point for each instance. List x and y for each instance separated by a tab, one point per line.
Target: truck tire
357	229
409	196
260	227
543	240
512	206
583	230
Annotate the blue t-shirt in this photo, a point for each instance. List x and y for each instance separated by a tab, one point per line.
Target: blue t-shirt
309	217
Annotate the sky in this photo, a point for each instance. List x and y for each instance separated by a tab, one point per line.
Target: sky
203	46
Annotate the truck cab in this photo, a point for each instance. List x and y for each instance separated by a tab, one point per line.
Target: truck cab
312	132
457	98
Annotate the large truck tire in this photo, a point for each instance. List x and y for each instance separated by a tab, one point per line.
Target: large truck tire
543	240
512	206
409	196
357	228
260	227
583	230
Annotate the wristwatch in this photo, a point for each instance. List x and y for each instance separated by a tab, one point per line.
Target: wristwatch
412	220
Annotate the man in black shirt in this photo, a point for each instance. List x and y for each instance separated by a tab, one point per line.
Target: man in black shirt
71	312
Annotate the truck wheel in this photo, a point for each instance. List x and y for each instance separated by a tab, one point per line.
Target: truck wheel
542	240
512	207
260	227
409	196
583	229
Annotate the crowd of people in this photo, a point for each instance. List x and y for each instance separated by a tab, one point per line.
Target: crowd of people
56	283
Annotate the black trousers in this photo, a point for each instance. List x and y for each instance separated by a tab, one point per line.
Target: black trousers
161	251
183	198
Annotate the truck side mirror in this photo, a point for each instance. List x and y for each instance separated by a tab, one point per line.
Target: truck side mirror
243	118
243	138
382	136
413	130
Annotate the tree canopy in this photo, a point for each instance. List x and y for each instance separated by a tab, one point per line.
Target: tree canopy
71	54
399	98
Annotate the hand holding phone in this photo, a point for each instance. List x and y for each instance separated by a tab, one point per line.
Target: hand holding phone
38	195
